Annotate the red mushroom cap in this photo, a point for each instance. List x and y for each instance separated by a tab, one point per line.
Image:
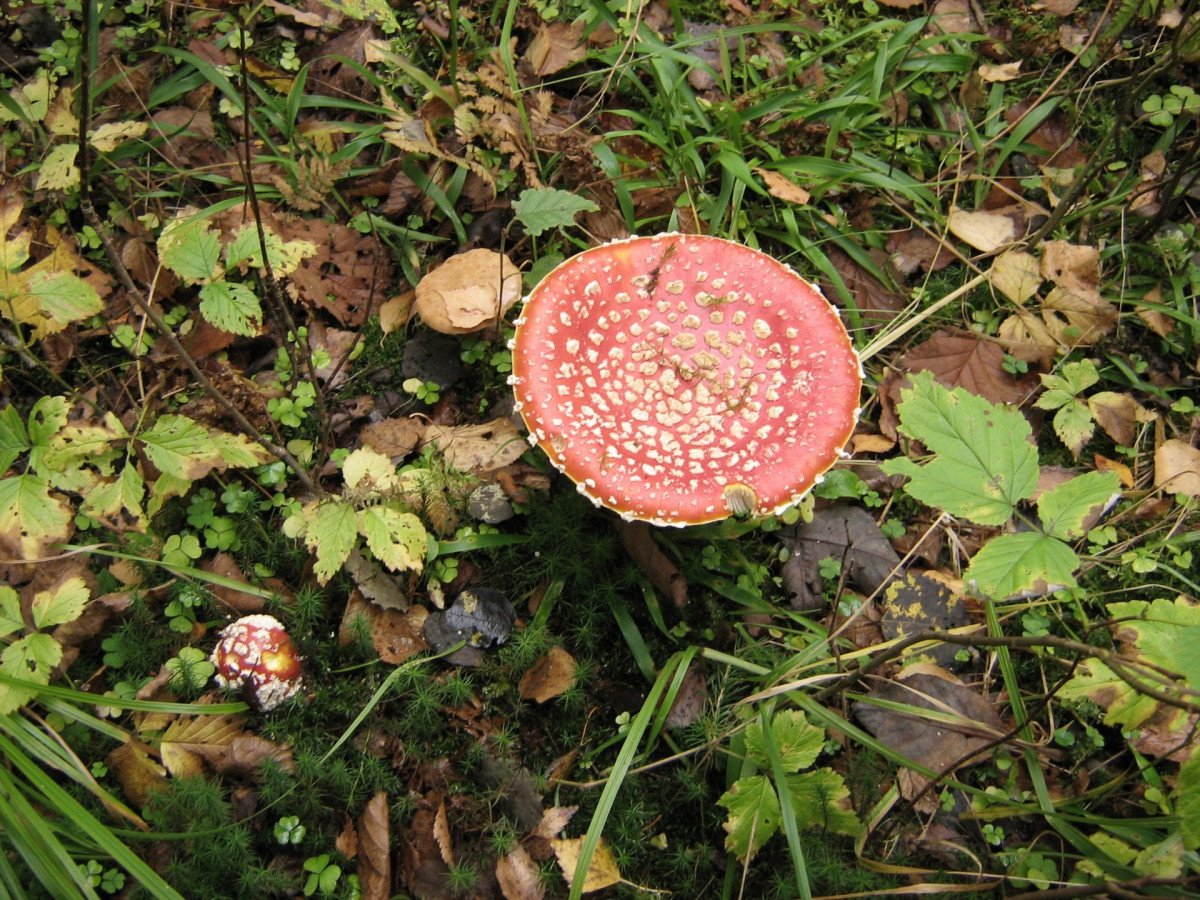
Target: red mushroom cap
255	653
678	379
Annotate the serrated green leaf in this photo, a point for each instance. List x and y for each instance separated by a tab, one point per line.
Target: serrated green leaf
1066	510
231	306
332	533
285	256
1074	425
821	799
369	470
63	603
754	815
76	445
397	539
31	518
238	451
984	463
49	414
14	440
10	611
61	298
180	447
121	496
1012	563
189	248
798	741
1165	633
540	209
32	658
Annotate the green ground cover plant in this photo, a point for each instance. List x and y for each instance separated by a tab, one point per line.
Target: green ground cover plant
260	270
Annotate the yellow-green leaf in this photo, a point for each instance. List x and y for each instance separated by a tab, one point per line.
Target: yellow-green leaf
31	518
61	604
10	611
332	533
397	539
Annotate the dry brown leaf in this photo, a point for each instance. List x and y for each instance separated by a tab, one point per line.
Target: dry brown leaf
874	300
953	17
374	584
347	840
1057	7
1177	468
441	834
601	873
374	849
245	753
871	443
783	188
914	250
638	541
1077	319
964	359
986	231
690	700
395	312
555	47
397	635
189	739
517	875
1016	274
901	4
554	820
1000	72
492	445
1124	473
394	438
137	773
240	602
549	677
1118	414
1027	338
1156	320
468	292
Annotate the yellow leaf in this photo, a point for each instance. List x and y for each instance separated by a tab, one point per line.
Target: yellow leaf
986	231
1016	274
1177	468
601	873
59	172
111	135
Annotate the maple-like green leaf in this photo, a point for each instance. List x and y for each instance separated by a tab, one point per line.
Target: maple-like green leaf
1187	801
540	209
369	470
122	495
1013	563
754	815
285	256
231	306
14	440
397	539
31	517
180	447
332	533
189	248
61	604
1068	383
820	799
10	611
797	741
984	463
1067	510
32	658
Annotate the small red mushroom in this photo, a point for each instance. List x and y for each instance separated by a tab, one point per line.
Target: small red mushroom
256	654
680	379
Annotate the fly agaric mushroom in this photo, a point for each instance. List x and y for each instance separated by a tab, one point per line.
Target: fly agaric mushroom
679	379
256	654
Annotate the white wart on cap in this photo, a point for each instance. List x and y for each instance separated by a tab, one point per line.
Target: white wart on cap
679	379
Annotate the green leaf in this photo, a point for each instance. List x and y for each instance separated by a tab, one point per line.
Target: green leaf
540	209
123	494
1122	705
285	256
369	470
32	658
754	815
1074	425
180	447
13	438
821	800
397	539
366	11
1066	511
1070	381
31	518
798	741
231	307
332	534
1165	633
239	451
10	611
48	416
1187	802
1013	563
189	248
63	298
984	463
64	603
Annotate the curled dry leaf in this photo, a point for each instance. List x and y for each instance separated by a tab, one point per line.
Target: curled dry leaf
1118	414
549	677
517	875
1001	72
468	292
555	47
398	635
782	187
1177	468
914	250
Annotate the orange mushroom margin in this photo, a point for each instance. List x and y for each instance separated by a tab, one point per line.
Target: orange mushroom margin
679	379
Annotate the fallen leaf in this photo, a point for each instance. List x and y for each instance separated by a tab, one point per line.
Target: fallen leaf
690	700
952	17
1118	414
189	739
492	445
551	676
1156	320
1177	468
901	4
517	874
555	47
240	602
964	359
602	871
376	585
1124	473
874	300
137	773
846	533
915	602
1077	319
871	443
554	820
1026	338
441	834
1054	136
986	231
1002	72
1057	7
394	438
395	312
1016	274
782	187
397	635
468	292
638	541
